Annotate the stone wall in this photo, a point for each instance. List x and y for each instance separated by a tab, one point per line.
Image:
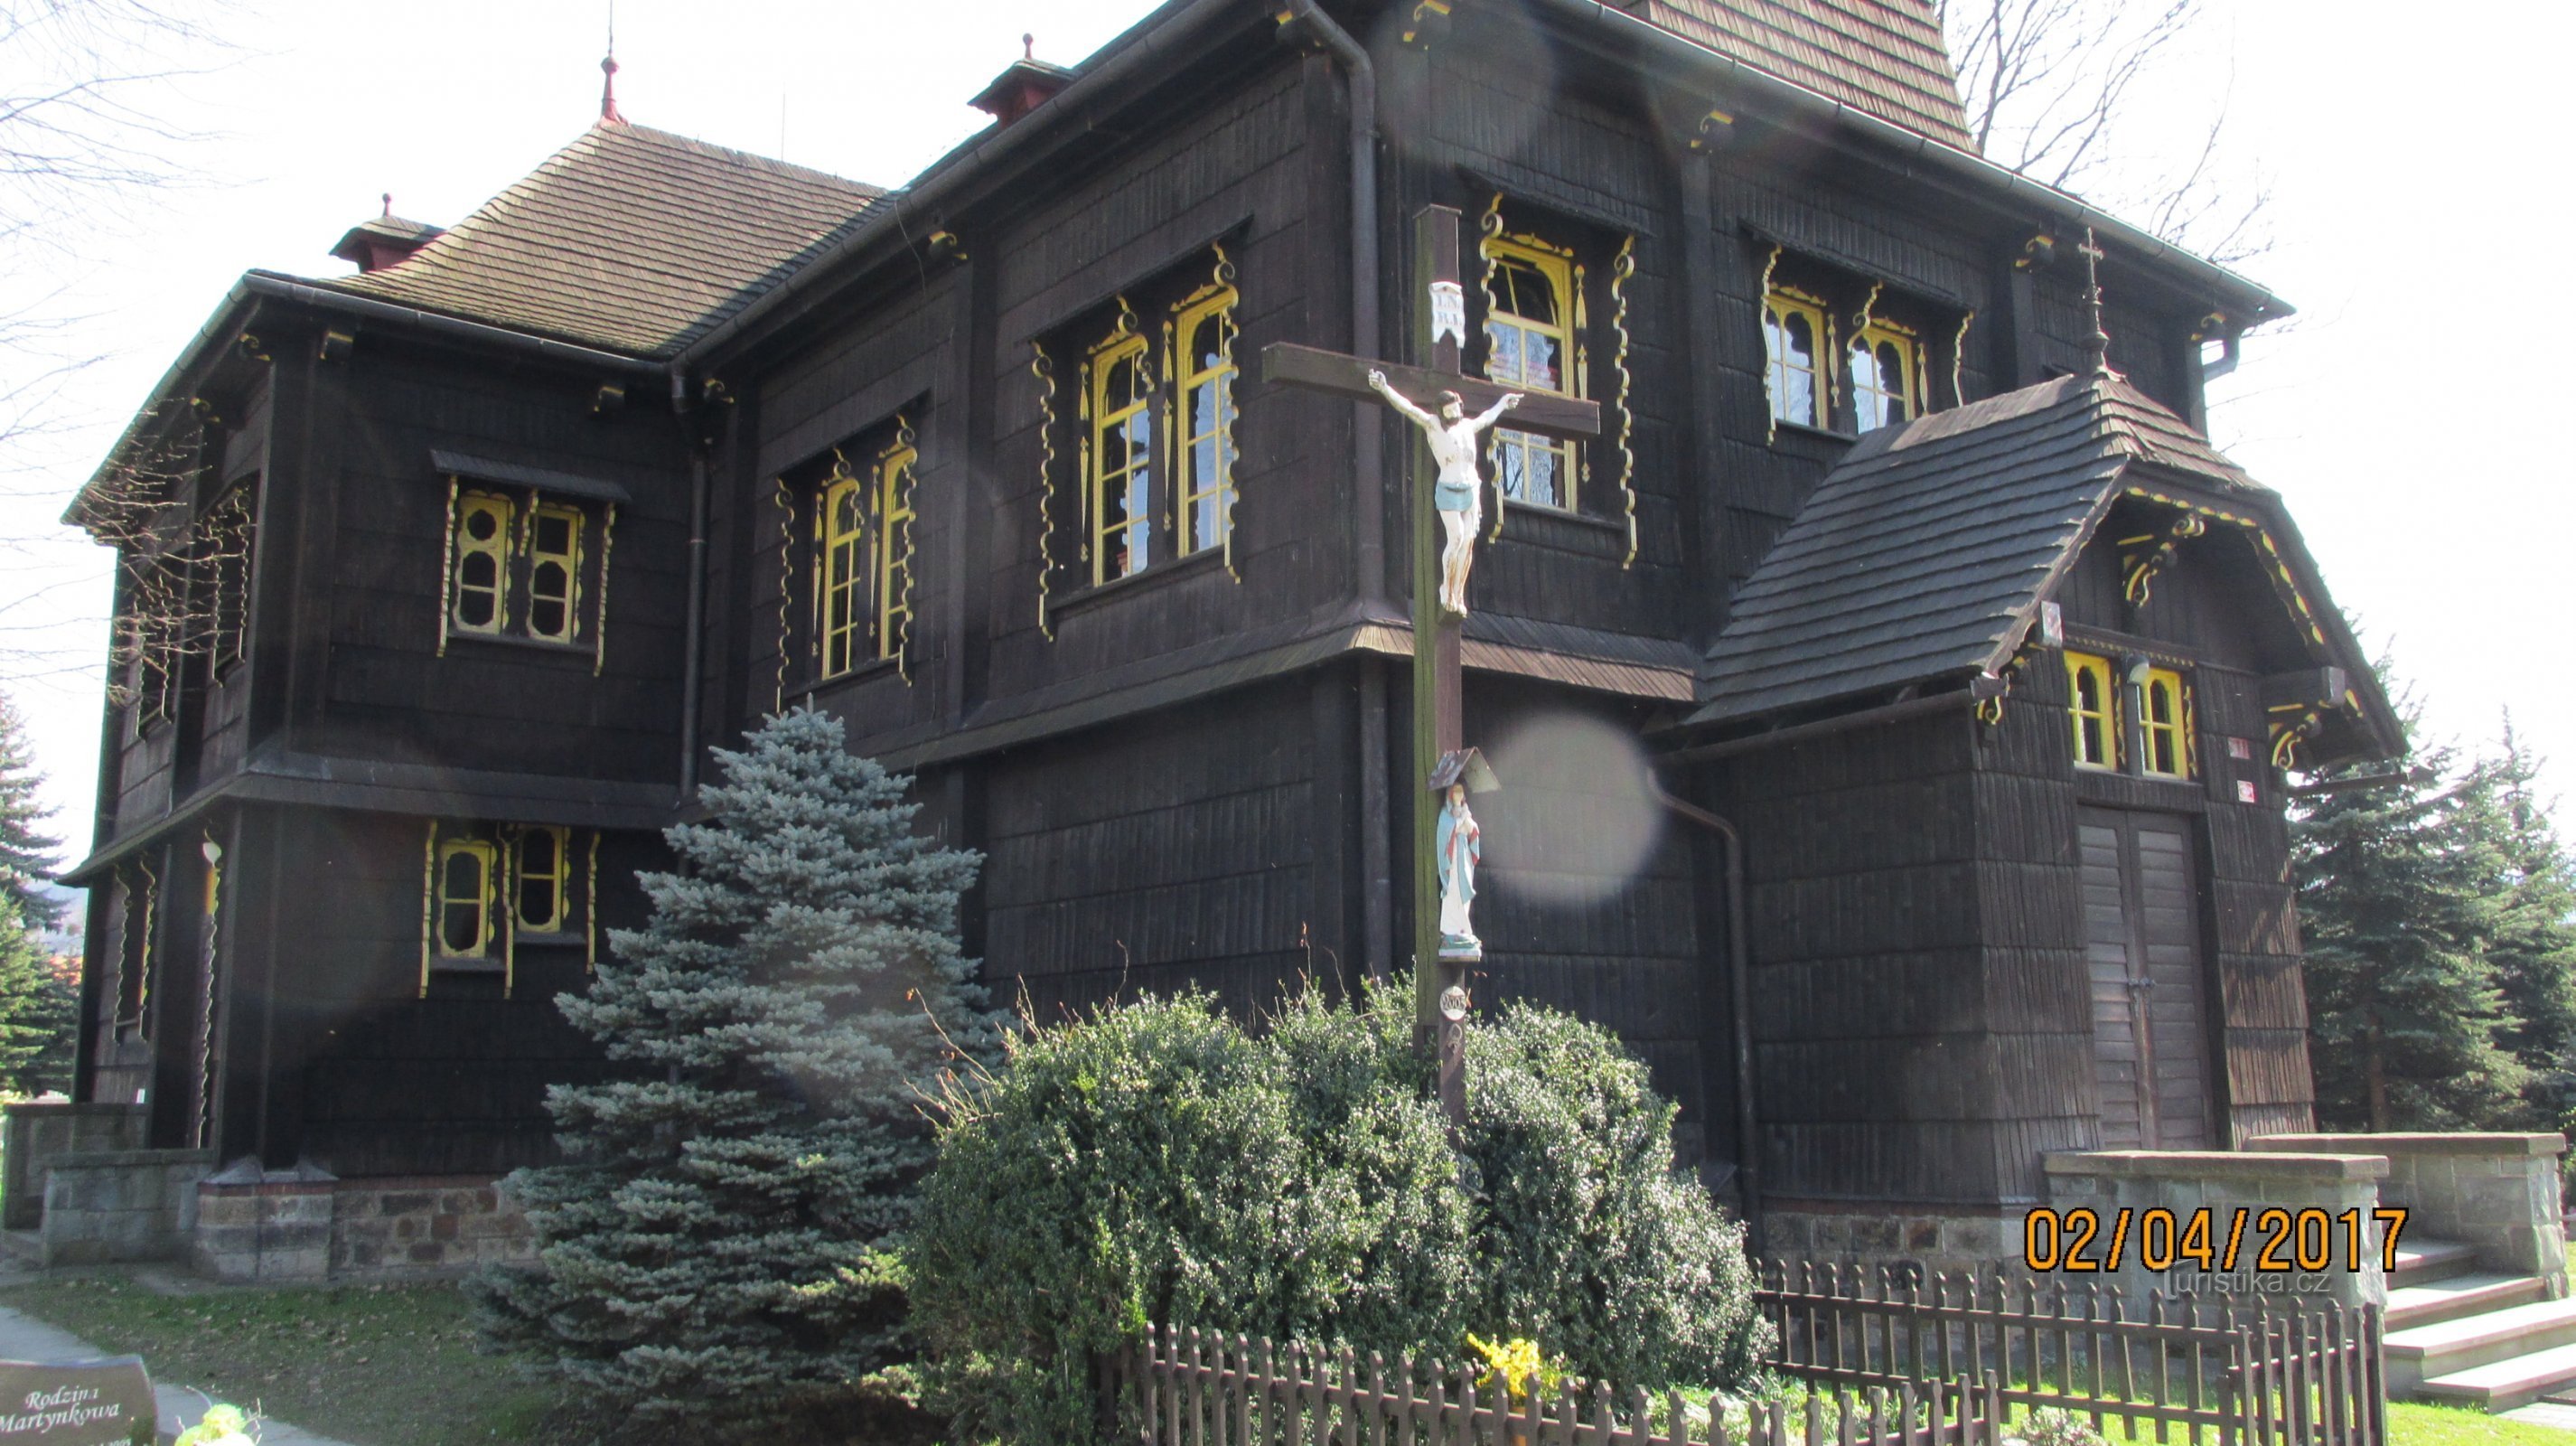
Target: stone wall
33	1134
2498	1192
2222	1183
115	1205
1925	1238
281	1229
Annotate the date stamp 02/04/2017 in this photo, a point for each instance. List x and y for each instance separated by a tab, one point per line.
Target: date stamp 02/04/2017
2255	1241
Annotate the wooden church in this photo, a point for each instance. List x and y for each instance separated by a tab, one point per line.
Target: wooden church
1895	700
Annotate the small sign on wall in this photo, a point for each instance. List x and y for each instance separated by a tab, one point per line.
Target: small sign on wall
2246	792
80	1403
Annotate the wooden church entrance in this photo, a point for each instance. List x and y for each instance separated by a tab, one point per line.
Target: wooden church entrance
2142	950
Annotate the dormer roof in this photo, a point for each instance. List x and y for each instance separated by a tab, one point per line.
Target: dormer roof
1921	560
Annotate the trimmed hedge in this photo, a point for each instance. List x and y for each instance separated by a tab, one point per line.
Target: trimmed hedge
1159	1163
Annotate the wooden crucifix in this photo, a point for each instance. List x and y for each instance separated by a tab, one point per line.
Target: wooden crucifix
1445	767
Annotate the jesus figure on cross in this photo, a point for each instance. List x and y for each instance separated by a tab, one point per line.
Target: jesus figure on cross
1459	492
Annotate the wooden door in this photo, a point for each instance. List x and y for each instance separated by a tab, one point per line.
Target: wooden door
2150	1004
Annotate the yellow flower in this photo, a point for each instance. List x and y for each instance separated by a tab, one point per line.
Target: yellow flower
1517	1365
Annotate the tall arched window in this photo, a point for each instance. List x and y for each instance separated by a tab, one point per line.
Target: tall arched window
1795	341
1530	335
2091	704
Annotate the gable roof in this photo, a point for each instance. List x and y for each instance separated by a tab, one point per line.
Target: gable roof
1923	557
629	239
1884	57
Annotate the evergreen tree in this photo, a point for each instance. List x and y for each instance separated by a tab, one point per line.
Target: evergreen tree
718	1246
2533	949
2396	911
26	850
39	1017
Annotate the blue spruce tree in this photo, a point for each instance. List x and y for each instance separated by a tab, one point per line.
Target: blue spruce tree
717	1246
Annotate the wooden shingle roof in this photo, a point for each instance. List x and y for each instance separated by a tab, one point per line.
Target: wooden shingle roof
1883	57
1925	554
629	239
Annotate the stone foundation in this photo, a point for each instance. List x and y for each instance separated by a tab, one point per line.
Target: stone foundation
312	1229
103	1206
33	1135
2110	1182
2498	1192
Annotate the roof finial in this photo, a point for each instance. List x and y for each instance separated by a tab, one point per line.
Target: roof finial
608	68
1028	46
389	204
2100	339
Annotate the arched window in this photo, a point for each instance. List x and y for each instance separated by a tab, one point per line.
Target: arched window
1886	376
2166	715
554	572
1795	339
544	870
1203	355
2089	702
1121	458
483	522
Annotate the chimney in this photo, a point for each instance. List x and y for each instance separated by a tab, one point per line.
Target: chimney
385	241
1022	88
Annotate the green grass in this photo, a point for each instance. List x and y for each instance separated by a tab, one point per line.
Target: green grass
377	1365
2412	1425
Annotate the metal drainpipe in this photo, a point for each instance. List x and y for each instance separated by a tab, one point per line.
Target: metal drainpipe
693	625
1368	481
1739	970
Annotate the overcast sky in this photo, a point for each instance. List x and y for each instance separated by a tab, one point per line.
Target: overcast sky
2419	211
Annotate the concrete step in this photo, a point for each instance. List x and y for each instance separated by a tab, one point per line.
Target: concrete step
2459	1295
2419	1261
2507	1384
2425	1352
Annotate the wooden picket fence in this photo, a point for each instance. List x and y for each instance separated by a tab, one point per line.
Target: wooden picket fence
1194	1388
2275	1375
1886	1361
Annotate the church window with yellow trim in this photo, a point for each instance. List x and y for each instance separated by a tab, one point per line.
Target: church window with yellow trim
863	558
2093	705
1119	457
2165	719
480	597
1796	339
1203	360
464	897
1531	335
1886	375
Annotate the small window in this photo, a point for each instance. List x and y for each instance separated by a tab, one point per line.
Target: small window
543	869
1796	339
894	548
844	516
1886	375
2166	714
464	898
520	565
1204	354
1122	458
554	572
482	591
1530	326
2090	703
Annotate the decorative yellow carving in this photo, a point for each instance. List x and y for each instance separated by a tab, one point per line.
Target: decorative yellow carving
1771	264
786	506
1958	356
599	638
1044	370
1621	270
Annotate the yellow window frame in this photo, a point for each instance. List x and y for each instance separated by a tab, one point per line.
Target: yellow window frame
1130	417
1203	457
566	558
495	549
842	567
442	898
2164	715
1869	396
2102	749
558	876
893	578
1555	271
1778	305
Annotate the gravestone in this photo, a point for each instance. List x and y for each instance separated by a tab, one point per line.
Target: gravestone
77	1403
